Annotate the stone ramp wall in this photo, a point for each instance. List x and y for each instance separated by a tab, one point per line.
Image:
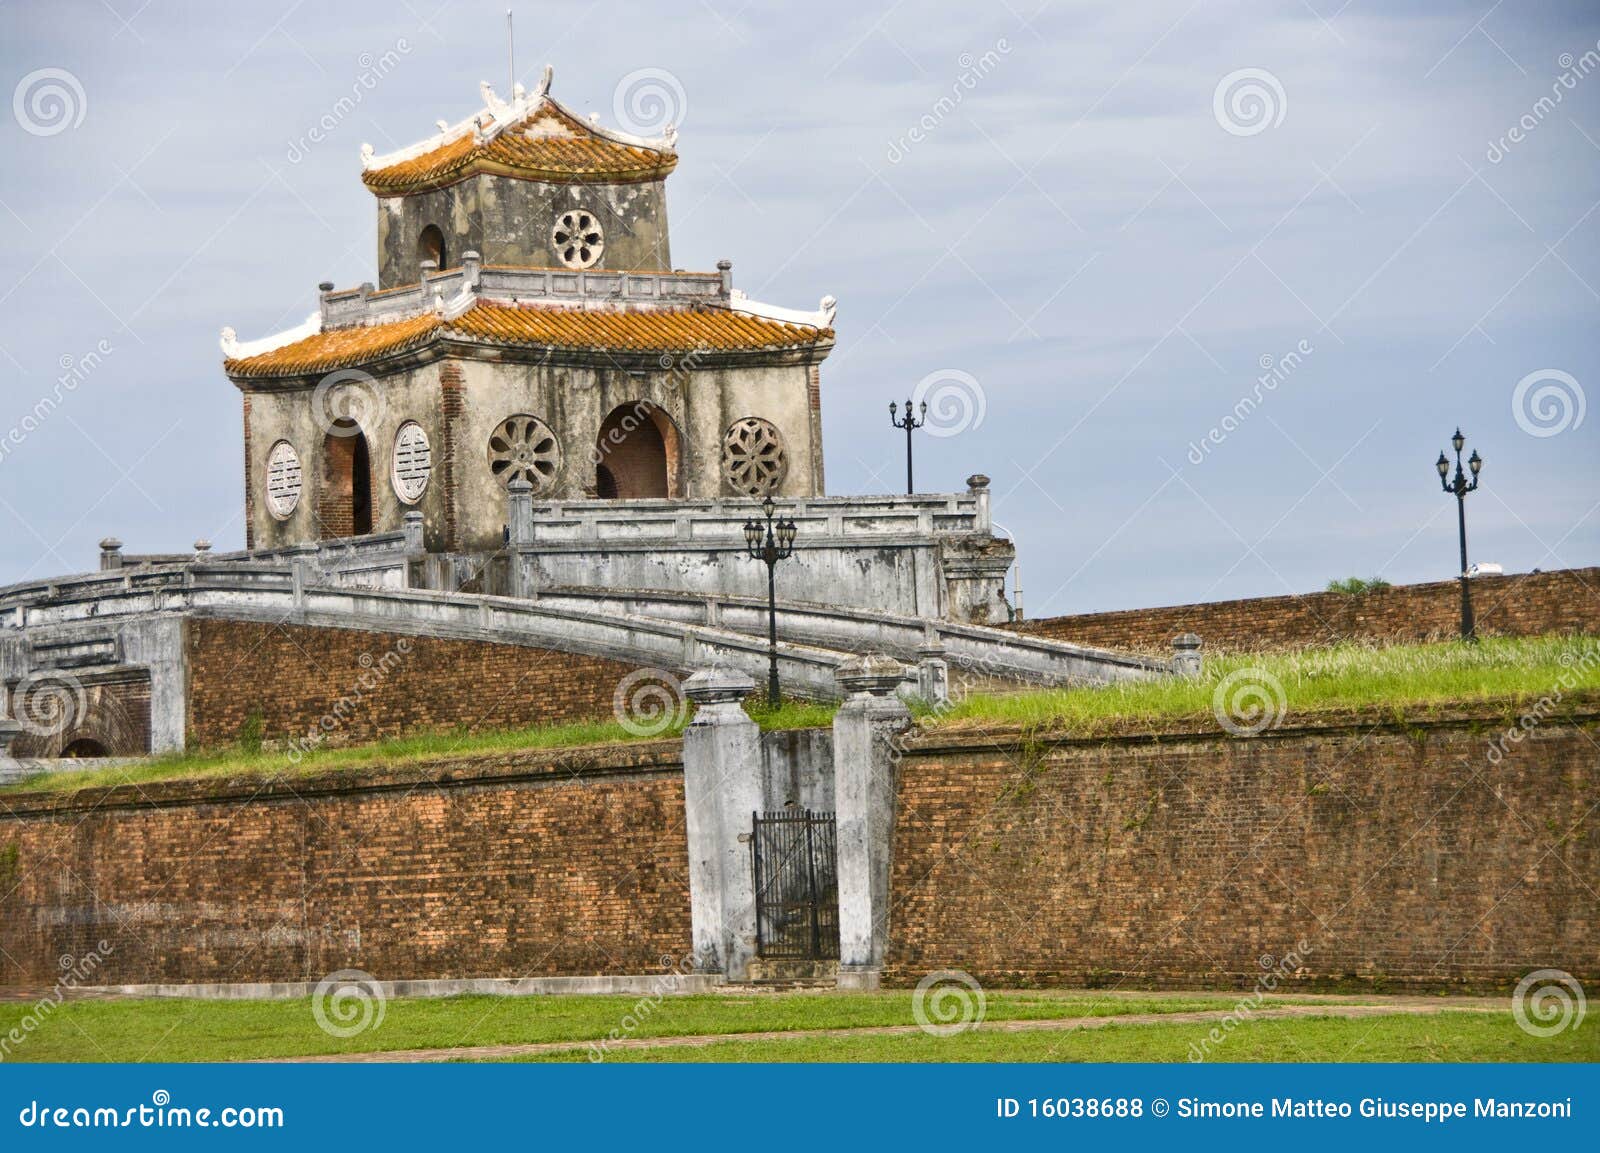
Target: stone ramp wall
1529	604
521	865
1401	855
348	686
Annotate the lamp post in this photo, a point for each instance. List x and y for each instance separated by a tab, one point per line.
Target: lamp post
770	543
1459	486
911	423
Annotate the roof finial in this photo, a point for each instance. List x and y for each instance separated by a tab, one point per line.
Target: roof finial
544	80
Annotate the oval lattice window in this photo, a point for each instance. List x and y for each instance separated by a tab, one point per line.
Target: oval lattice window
413	462
577	238
524	446
753	458
283	479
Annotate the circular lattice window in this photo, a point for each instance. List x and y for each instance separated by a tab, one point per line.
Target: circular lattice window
413	462
283	479
577	239
753	459
523	447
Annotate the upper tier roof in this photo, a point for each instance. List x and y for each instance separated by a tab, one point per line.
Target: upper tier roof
675	330
532	137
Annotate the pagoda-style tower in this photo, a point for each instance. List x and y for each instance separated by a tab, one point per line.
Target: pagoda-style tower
527	324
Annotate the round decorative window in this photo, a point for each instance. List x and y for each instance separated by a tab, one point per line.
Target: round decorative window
577	239
413	462
283	479
524	447
753	458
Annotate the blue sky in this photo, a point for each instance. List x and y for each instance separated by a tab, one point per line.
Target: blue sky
1094	246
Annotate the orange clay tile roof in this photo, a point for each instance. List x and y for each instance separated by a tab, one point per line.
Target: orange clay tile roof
676	330
549	144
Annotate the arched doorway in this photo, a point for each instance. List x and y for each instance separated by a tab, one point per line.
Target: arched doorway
345	508
637	453
430	246
85	747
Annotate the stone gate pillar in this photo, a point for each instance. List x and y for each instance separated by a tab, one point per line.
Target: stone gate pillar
721	789
865	732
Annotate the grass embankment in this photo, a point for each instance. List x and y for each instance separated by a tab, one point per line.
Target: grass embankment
185	1030
235	761
1509	673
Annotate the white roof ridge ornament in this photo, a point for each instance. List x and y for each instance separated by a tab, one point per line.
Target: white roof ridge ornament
503	114
235	349
821	318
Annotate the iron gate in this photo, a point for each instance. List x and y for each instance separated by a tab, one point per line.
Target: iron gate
797	885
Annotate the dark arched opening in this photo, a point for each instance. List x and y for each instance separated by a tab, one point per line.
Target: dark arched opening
346	501
85	747
430	246
637	453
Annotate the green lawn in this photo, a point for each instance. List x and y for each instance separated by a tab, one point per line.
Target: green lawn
187	1030
1509	672
1443	1037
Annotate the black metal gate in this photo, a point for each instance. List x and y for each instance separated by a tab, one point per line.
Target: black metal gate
797	885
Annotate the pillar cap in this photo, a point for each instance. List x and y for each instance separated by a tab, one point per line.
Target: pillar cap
520	484
110	544
715	686
977	482
1186	641
872	675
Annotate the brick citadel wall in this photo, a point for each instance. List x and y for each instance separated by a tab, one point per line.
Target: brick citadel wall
1400	856
526	864
353	686
1529	604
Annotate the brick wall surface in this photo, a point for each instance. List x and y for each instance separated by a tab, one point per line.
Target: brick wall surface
1402	856
531	864
353	686
1529	604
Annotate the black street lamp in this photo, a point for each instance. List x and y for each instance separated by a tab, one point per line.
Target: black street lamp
910	424
770	543
1458	486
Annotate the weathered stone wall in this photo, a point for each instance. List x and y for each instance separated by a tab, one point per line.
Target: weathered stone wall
460	404
104	714
1528	604
353	686
523	864
509	221
1402	855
